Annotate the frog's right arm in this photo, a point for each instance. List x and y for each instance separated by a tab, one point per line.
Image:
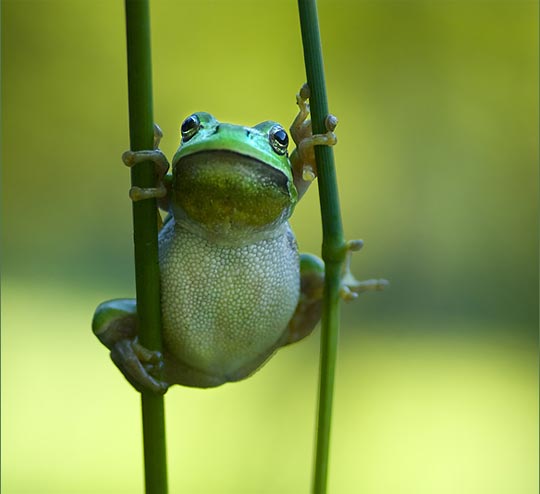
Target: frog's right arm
302	158
163	181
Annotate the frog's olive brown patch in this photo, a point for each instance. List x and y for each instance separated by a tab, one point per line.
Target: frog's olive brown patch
226	188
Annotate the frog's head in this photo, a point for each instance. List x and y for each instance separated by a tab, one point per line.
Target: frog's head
232	181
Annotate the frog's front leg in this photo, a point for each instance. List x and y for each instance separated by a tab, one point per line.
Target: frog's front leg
303	157
131	158
115	324
309	308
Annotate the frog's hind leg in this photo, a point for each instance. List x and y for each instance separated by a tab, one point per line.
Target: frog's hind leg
115	323
309	308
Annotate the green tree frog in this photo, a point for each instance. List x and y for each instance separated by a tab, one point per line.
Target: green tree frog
234	288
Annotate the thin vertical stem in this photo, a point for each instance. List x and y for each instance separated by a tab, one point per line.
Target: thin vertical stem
333	249
145	233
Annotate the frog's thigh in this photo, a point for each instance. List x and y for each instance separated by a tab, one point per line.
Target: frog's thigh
115	320
309	308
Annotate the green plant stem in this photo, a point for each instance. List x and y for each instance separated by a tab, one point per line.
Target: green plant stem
333	248
141	122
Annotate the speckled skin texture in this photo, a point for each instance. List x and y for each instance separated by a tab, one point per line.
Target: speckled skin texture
225	309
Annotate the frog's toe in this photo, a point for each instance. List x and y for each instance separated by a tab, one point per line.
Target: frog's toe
302	98
156	156
330	123
154	369
151	360
141	193
145	355
158	135
139	365
351	287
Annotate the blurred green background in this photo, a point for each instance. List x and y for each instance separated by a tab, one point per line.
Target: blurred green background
437	383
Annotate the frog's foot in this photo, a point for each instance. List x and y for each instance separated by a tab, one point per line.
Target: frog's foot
131	158
350	286
303	157
139	365
115	324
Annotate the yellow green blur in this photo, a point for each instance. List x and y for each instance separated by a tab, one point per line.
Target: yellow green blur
437	162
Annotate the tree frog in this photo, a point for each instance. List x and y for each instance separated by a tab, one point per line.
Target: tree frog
234	288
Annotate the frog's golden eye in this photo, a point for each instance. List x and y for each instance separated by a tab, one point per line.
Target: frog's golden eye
279	139
190	127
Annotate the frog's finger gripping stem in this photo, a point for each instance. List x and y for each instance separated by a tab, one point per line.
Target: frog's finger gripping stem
303	157
350	286
131	158
305	148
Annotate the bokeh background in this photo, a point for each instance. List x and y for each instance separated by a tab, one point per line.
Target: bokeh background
437	382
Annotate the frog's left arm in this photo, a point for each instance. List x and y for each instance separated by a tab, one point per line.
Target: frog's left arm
309	308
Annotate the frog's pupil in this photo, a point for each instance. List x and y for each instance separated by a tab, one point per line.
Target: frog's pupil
188	124
282	137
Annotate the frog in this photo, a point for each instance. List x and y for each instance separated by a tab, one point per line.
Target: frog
234	287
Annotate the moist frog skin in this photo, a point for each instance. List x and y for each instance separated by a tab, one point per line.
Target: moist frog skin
234	287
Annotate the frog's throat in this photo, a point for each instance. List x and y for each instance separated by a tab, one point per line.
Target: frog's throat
228	197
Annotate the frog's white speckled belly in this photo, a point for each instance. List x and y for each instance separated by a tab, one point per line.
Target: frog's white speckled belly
225	306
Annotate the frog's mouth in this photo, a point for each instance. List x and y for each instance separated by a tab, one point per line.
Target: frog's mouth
226	192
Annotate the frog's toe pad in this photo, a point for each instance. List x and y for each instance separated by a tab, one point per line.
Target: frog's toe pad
128	158
330	122
308	174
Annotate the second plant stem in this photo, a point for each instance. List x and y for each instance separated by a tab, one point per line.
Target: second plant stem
333	249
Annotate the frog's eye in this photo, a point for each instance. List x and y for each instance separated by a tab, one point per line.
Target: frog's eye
279	139
190	126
